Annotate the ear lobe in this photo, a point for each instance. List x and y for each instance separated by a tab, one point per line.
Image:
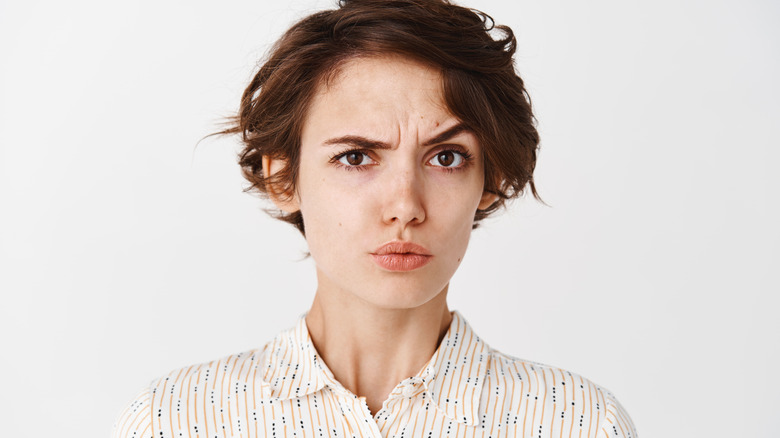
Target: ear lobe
487	200
287	202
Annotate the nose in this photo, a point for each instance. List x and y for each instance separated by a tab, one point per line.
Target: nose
404	199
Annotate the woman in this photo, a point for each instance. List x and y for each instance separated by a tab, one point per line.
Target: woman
384	131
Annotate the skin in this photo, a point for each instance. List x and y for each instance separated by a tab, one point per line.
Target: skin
374	327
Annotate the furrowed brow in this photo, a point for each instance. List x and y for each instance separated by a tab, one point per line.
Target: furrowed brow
356	140
446	135
367	143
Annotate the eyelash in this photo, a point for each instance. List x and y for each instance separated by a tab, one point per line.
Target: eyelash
335	160
467	159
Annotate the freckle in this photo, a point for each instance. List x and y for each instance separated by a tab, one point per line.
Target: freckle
339	223
458	257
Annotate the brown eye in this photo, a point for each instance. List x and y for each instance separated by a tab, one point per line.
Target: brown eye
449	159
446	158
354	158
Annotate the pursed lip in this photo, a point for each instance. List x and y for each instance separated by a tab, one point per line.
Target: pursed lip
401	256
398	247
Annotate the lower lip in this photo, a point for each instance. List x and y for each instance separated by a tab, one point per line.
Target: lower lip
401	262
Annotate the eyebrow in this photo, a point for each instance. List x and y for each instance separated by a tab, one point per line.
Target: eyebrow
367	143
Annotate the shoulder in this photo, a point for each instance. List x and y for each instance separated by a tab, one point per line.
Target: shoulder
188	394
135	421
210	376
551	399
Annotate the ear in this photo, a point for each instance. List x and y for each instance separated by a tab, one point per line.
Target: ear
287	202
487	200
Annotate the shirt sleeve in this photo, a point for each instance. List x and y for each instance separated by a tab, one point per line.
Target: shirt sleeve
616	423
136	420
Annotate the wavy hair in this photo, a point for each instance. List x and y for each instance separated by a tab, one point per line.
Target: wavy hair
481	87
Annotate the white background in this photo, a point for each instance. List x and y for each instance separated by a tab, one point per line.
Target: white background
125	251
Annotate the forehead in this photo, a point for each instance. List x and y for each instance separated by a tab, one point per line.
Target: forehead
380	94
367	68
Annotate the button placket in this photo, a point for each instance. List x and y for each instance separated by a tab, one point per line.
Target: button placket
369	426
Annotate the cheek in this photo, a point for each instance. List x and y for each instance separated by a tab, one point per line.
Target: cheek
332	211
453	212
459	199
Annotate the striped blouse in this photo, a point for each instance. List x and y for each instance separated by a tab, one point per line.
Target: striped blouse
466	389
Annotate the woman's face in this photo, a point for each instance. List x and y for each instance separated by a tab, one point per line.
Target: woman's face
384	162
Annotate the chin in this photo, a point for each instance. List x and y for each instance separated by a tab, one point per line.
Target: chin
404	296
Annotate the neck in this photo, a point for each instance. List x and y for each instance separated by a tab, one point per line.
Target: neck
370	349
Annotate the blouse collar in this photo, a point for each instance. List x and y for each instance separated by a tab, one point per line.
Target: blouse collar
453	377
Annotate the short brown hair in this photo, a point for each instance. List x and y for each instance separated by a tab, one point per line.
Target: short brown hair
481	87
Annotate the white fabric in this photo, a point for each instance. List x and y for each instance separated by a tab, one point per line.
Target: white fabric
285	390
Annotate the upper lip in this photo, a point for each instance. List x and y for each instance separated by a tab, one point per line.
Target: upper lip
398	247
